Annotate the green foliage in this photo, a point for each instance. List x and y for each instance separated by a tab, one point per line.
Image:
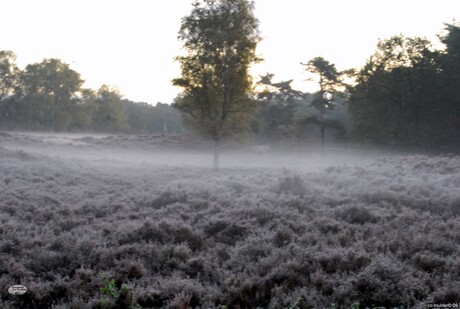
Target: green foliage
48	90
278	104
329	81
355	305
42	96
220	38
450	63
9	73
295	304
109	288
108	115
116	298
49	96
405	95
329	77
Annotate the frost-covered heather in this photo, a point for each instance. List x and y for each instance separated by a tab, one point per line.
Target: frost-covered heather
383	231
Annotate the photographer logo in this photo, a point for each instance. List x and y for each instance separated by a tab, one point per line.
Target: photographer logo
17	289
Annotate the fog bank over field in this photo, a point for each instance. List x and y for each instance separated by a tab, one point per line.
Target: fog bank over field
270	229
180	151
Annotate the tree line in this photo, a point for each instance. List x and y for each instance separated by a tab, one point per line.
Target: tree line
407	93
404	96
49	96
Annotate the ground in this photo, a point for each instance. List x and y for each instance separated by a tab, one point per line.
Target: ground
142	220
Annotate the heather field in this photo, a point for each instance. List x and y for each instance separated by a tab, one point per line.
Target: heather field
143	222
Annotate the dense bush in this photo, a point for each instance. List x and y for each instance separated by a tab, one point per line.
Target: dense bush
382	234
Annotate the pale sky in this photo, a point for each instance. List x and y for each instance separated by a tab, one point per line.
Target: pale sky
131	44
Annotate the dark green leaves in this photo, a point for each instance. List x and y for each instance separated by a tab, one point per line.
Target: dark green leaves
220	38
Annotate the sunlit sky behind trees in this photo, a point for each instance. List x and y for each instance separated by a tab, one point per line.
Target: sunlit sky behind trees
131	44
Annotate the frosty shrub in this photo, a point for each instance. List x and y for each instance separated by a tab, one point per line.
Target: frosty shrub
226	232
455	207
283	237
384	232
168	197
356	215
291	184
429	262
447	295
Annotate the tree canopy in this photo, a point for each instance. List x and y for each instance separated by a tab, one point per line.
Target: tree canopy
220	39
278	103
401	98
329	80
49	95
406	95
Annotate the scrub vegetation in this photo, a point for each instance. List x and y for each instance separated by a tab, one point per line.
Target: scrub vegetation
92	232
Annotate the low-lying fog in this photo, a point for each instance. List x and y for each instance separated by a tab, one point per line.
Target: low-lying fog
174	151
271	229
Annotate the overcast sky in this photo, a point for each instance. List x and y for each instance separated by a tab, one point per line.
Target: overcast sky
131	44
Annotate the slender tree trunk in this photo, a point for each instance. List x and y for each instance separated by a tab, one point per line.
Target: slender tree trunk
322	129
322	138
216	164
